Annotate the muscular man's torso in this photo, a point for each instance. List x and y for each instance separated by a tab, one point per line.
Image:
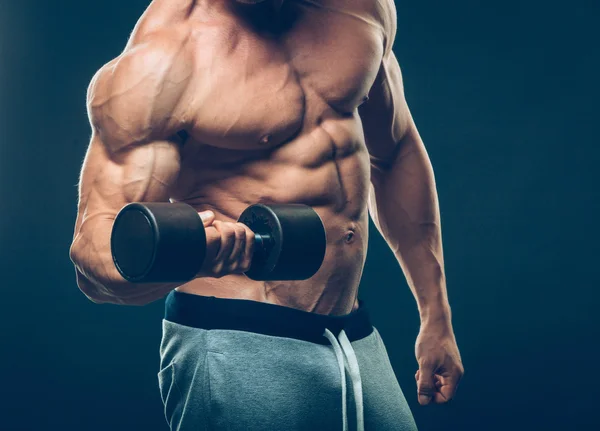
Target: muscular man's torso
274	97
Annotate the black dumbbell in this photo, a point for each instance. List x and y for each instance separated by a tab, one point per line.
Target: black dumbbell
166	242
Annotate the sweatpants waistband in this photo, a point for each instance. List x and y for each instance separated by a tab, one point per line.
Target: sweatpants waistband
209	312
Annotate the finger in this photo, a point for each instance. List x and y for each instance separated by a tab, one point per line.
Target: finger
425	385
227	243
439	398
249	252
213	246
448	387
446	393
207	217
238	247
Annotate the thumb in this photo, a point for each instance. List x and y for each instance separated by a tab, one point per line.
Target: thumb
425	385
207	217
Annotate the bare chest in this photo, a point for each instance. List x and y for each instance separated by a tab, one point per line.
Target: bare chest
263	75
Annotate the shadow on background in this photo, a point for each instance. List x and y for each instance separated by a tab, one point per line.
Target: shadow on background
505	97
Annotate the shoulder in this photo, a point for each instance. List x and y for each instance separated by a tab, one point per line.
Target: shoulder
127	99
387	17
144	61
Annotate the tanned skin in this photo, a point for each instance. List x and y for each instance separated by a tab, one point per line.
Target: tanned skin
222	104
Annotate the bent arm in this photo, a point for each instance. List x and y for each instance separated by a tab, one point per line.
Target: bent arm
136	107
109	182
403	201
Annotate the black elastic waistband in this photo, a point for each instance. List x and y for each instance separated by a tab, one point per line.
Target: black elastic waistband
208	312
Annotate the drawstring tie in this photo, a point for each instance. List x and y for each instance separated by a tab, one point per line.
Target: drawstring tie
345	354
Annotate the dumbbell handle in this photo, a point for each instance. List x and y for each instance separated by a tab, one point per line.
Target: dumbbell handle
136	235
262	243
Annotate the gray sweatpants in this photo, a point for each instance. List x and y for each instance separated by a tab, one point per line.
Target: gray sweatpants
244	365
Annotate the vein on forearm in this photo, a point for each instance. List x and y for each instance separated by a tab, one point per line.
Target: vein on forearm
404	207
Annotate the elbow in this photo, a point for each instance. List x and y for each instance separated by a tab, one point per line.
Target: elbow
104	294
107	294
89	289
101	283
94	290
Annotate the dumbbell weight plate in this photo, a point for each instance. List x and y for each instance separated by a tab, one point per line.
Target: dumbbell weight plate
297	241
158	242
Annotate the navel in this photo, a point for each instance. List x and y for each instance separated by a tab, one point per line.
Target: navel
350	235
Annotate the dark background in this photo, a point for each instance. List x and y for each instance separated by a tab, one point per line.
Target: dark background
505	96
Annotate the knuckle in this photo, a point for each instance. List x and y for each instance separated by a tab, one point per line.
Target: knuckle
228	235
217	271
427	364
236	266
428	392
228	228
457	371
240	231
238	269
425	388
225	270
245	265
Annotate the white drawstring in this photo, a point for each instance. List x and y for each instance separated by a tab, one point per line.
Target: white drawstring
340	358
345	350
356	380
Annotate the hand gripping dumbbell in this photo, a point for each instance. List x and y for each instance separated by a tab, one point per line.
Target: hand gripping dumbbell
166	242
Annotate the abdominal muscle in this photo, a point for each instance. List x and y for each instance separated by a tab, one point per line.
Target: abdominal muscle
327	169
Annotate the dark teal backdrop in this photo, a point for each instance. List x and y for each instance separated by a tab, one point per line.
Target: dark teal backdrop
505	96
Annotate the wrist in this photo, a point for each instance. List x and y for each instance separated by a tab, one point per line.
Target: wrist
438	316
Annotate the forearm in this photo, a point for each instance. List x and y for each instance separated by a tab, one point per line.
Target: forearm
97	276
140	174
404	207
